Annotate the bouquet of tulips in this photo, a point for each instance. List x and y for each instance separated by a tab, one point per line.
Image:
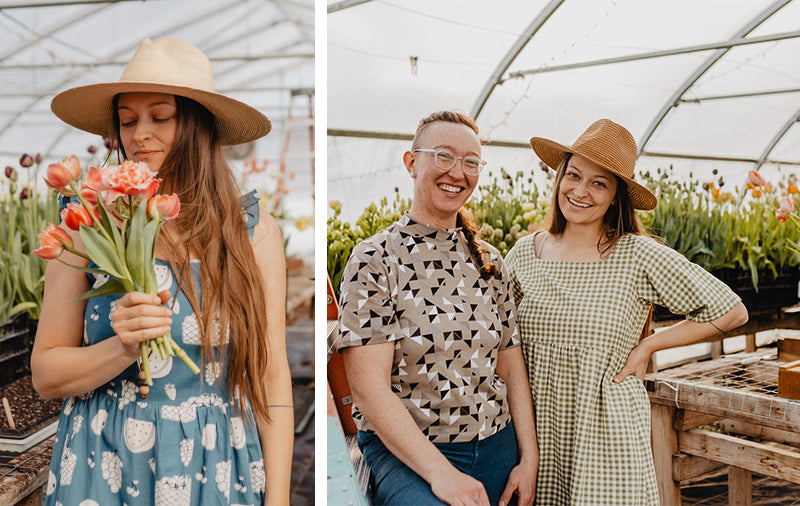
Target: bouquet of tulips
119	217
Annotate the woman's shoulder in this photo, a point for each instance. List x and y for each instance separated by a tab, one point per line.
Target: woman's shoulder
527	244
379	242
266	228
642	242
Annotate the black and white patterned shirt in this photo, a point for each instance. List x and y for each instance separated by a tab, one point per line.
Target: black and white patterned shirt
417	286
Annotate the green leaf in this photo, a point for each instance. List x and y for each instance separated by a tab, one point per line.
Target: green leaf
90	270
103	253
22	306
110	287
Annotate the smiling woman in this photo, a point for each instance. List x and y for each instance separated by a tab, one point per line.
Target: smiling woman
584	284
429	340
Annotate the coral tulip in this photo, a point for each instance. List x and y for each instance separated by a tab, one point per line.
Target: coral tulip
53	240
787	206
792	189
130	178
781	216
164	207
756	192
755	178
60	175
75	215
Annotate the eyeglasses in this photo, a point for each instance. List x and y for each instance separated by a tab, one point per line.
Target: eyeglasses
446	160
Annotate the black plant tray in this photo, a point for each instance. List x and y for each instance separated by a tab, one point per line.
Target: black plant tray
16	338
773	291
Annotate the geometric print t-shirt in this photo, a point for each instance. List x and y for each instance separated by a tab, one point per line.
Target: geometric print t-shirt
418	287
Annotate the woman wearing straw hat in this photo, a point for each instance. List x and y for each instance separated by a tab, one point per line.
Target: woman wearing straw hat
223	436
584	284
430	343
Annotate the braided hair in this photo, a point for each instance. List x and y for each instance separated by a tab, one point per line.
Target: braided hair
479	252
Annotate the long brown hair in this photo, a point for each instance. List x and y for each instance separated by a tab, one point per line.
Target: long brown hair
210	226
620	218
464	218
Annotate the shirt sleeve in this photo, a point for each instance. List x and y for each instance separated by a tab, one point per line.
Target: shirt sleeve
367	309
671	280
506	307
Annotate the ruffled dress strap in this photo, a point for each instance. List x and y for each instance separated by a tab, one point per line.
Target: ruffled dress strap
251	211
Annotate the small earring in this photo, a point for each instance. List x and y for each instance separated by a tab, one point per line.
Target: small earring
413	175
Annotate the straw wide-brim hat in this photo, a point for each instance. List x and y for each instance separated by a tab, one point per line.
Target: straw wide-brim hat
167	66
609	145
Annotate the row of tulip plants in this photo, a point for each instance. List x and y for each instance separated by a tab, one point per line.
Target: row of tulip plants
24	211
718	224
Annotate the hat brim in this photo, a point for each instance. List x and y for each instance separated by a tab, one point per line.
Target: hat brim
552	153
89	108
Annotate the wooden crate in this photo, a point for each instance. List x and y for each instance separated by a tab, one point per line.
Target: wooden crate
788	349
789	380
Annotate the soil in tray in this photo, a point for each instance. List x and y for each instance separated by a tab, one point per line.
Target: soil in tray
30	411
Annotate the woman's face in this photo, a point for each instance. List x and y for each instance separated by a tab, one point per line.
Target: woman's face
586	191
439	193
147	126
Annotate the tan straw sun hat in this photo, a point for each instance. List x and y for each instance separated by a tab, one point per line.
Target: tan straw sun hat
166	66
609	145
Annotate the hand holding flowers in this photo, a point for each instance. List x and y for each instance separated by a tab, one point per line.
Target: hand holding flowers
119	218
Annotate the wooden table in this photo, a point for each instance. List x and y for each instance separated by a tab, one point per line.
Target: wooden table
754	427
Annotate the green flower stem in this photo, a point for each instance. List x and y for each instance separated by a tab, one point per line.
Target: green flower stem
146	364
181	354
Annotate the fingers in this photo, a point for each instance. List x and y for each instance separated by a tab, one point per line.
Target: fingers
523	483
139	317
622	374
507	493
460	490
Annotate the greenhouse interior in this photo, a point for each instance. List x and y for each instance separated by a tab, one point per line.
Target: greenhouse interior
262	53
710	92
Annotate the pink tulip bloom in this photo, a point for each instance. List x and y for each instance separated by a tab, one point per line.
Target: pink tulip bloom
130	178
787	205
164	207
75	215
755	178
89	194
92	185
53	240
61	174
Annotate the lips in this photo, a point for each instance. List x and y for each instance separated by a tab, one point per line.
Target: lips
578	204
450	189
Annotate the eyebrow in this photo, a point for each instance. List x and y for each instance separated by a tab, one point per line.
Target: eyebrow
452	148
154	104
570	166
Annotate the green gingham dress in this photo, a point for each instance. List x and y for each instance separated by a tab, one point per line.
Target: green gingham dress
578	323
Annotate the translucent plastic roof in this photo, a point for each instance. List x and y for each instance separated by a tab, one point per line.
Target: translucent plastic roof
701	85
261	52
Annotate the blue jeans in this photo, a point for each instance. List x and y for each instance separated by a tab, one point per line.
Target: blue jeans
489	461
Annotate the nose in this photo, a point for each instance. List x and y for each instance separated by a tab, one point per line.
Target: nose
142	132
581	189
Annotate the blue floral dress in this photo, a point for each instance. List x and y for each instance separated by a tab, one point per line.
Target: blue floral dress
183	445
